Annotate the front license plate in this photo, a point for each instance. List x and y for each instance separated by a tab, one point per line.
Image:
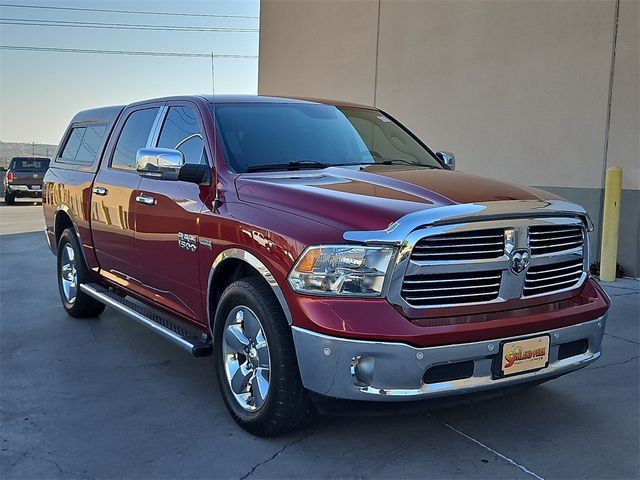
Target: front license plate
524	355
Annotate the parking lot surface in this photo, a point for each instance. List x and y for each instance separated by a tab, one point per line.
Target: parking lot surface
24	216
106	398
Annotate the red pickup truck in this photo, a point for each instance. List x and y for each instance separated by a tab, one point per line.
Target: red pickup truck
318	251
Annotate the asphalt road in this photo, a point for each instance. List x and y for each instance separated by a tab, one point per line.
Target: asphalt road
24	216
106	398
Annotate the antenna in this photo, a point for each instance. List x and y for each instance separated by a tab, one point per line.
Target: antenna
216	200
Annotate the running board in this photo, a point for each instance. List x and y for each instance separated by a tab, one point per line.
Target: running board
184	338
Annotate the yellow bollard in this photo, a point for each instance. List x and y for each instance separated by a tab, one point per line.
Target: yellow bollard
610	224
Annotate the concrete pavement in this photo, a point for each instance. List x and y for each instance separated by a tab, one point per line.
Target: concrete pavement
106	398
24	216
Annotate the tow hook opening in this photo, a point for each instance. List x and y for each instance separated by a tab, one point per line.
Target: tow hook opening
571	349
449	372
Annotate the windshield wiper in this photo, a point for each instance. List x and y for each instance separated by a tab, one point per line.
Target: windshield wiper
298	164
295	165
391	161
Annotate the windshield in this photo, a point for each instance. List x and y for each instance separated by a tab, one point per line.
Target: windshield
29	164
272	136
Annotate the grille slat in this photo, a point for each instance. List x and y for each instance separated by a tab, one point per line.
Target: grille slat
545	279
466	245
472	245
436	256
552	229
551	285
454	237
552	278
455	296
467	287
409	281
451	288
577	236
577	264
547	239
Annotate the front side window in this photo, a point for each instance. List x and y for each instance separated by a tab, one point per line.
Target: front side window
181	131
274	136
133	137
83	144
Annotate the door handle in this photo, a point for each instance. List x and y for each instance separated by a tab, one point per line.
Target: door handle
100	191
145	200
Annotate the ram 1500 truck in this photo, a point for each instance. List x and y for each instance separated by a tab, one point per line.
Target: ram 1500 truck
24	178
318	251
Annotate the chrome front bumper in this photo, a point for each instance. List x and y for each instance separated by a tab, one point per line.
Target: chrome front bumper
386	371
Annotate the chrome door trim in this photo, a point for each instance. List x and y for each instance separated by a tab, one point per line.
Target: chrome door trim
154	134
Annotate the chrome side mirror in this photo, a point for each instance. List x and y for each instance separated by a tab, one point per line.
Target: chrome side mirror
448	159
160	163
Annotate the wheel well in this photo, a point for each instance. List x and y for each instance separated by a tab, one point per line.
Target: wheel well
63	221
225	274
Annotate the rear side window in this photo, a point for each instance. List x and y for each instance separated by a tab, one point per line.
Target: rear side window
181	131
133	137
83	144
29	164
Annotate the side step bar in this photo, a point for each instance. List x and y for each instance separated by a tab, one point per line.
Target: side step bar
186	339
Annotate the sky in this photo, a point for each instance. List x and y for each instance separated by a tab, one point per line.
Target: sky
41	91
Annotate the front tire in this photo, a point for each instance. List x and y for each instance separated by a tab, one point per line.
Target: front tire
72	272
255	360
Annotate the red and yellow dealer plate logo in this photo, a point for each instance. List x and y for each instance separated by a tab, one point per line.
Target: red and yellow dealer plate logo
523	355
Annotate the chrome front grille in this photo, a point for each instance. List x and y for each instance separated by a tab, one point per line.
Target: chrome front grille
471	245
546	239
451	288
553	277
481	262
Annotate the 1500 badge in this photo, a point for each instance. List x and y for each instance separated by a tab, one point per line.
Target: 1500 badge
187	241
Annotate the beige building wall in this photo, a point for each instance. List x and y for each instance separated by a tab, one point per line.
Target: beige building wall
624	133
306	49
519	90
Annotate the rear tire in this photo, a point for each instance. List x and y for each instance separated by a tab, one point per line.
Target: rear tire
9	199
253	351
72	272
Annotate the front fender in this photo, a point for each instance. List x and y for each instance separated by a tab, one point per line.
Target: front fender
256	264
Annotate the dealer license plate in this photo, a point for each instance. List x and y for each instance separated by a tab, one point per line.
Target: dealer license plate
524	355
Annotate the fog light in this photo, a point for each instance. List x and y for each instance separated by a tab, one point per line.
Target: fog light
362	370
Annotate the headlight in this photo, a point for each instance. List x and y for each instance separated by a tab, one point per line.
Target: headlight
341	270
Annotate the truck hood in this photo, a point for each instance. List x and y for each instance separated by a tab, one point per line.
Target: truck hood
372	197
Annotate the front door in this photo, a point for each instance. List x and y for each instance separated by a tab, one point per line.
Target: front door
166	240
113	197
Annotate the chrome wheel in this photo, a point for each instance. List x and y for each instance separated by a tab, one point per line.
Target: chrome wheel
246	358
68	274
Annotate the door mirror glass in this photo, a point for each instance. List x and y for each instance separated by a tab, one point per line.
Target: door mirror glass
448	159
160	163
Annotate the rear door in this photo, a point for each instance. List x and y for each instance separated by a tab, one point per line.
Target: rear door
113	196
167	244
